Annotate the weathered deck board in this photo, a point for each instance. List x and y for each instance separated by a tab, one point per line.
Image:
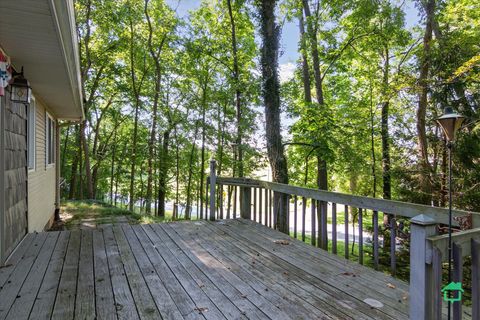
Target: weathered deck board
26	297
10	289
43	304
324	296
265	271
165	303
64	307
104	300
124	303
184	302
246	269
335	279
85	301
225	306
190	270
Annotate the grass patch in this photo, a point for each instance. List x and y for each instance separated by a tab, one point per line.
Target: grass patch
75	212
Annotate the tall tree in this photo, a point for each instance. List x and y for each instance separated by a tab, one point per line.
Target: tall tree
425	61
270	33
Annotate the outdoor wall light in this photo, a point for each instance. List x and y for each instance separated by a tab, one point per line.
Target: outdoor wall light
21	90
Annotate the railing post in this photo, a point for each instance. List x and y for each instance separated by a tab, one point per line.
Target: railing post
245	202
421	273
213	184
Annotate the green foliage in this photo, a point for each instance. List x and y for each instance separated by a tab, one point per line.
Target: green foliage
367	54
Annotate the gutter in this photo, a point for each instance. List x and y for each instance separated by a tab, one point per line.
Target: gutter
63	14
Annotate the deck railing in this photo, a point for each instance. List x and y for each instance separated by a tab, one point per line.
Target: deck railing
428	250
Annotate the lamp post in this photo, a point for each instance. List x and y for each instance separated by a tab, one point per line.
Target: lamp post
450	122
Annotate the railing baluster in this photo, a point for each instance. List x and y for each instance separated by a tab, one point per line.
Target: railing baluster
266	208
346	232
393	246
318	206
325	225
260	205
457	277
334	228
270	219
321	234
207	201
375	239
360	235
312	240
220	201
229	197
304	216
235	202
437	284
475	278
254	204
295	217
288	213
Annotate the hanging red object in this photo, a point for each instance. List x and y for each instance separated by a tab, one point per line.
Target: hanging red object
5	72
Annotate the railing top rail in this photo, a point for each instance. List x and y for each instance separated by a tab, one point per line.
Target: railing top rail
404	209
463	239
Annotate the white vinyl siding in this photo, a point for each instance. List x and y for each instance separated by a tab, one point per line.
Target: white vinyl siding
31	134
41	182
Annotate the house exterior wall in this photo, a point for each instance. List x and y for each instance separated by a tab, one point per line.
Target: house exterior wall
41	179
14	197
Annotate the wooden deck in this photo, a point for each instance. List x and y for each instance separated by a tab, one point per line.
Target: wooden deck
233	269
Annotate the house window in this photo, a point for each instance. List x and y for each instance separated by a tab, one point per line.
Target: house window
50	140
31	134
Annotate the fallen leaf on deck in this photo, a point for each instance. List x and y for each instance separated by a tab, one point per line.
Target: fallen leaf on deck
348	274
282	242
201	309
392	286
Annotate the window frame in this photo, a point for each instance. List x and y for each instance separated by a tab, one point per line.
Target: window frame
49	141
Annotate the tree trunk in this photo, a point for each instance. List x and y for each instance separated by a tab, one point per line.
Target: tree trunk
155	55
177	176
202	165
322	177
136	95
305	68
372	142
270	33
386	176
238	105
86	153
64	152
112	167
425	175
190	173
163	172
74	172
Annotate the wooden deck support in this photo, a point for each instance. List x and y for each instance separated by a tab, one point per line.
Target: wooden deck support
245	201
421	274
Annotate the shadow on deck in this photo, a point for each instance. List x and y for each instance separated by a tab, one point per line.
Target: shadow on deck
194	270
